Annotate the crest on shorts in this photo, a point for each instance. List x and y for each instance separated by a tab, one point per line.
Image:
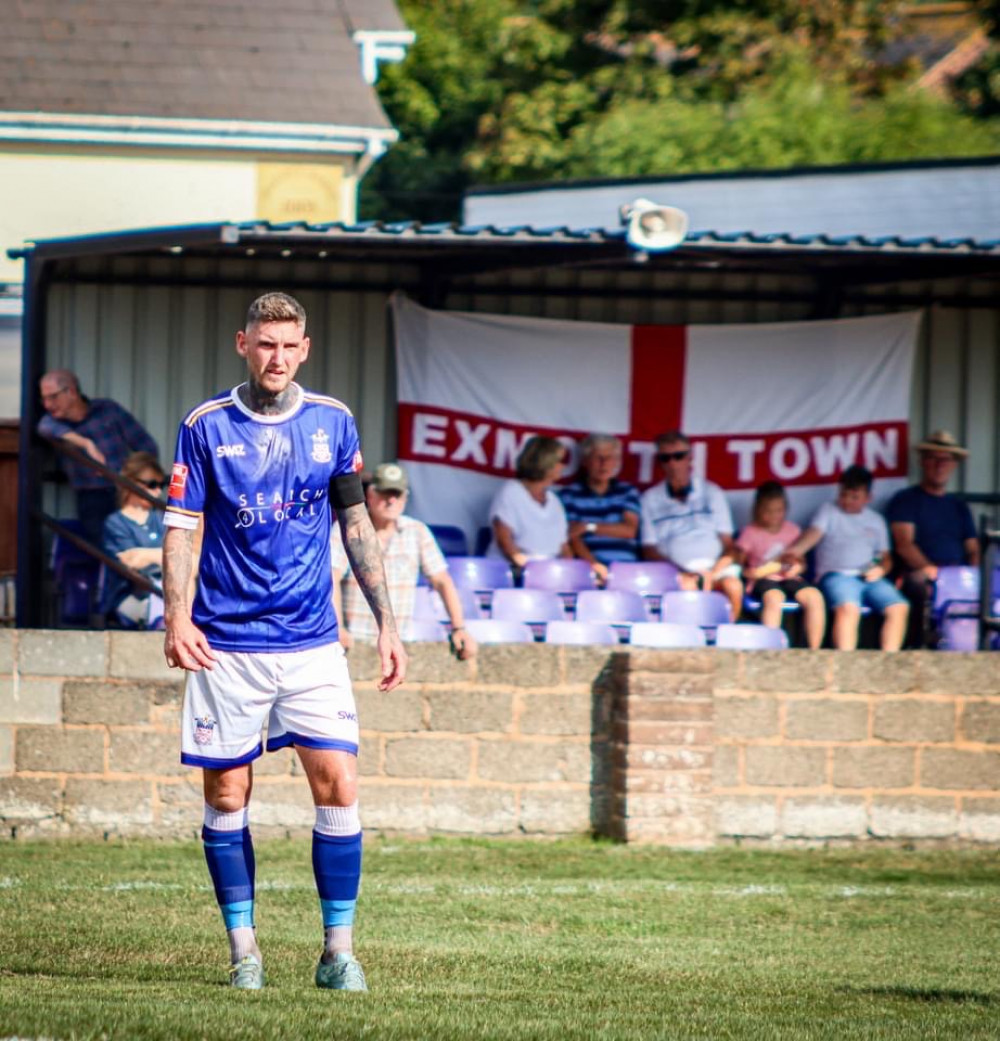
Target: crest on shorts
204	730
321	447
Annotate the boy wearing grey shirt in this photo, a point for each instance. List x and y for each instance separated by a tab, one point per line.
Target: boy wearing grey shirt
852	560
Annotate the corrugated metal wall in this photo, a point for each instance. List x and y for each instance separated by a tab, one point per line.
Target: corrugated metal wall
159	349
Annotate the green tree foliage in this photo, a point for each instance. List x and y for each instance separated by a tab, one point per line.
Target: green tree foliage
500	91
977	90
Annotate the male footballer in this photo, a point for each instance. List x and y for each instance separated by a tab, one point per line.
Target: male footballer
262	465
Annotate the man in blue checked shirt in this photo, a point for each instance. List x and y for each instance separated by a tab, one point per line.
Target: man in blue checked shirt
99	427
603	512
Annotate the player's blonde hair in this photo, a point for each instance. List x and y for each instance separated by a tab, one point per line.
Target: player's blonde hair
275	307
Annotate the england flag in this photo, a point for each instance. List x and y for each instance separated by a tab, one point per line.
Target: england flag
795	402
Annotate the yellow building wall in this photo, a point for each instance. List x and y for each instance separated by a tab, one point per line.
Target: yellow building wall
300	192
52	194
57	192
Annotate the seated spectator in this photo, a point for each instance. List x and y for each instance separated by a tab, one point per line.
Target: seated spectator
408	547
764	542
687	522
99	427
527	516
930	528
603	512
134	534
852	562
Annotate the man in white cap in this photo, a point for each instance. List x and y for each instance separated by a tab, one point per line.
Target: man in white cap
408	547
930	528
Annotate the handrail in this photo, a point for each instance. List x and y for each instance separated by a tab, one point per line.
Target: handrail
989	539
80	457
139	580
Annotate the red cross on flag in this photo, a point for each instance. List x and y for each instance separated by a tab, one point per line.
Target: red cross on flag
795	402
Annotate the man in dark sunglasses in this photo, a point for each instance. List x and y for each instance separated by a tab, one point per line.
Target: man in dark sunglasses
687	522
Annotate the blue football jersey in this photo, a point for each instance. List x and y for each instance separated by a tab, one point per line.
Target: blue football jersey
262	485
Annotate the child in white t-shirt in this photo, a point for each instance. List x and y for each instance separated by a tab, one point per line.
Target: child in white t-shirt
852	560
764	542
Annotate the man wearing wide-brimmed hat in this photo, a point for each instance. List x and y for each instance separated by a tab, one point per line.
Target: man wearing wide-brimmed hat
930	528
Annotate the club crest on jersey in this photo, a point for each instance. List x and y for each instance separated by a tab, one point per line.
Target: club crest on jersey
204	730
321	447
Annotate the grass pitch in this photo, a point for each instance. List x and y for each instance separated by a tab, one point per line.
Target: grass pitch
517	939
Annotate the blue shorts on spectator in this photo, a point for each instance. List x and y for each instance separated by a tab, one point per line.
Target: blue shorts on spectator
838	588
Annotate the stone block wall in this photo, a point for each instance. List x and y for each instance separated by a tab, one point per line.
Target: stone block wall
831	745
511	744
663	747
674	747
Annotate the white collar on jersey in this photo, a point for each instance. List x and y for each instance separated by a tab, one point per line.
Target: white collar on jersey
257	417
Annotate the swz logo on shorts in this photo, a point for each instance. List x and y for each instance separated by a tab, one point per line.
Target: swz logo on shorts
227	451
352	716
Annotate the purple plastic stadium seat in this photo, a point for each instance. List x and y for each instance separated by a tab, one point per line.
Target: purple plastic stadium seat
496	630
610	605
647	577
425	630
480	573
560	574
428	604
666	634
483	538
707	609
77	578
956	591
451	540
580	633
959	633
527	605
749	637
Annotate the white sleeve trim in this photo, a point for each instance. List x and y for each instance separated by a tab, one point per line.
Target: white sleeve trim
180	520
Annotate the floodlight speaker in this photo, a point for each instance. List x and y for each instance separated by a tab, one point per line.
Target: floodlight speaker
652	228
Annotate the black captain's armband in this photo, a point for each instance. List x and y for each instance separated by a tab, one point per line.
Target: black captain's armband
346	490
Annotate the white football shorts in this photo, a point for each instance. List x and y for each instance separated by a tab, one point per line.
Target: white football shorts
304	697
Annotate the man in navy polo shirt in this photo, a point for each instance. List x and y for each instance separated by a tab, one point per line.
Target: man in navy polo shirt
930	528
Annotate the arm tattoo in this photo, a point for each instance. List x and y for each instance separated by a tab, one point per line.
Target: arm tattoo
365	556
178	562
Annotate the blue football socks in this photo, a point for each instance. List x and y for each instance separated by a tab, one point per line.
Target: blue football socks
336	853
230	857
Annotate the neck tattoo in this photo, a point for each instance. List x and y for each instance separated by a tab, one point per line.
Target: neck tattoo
266	404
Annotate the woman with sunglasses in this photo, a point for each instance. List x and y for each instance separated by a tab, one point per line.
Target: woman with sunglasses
134	534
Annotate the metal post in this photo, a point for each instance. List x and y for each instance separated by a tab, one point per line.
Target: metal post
30	545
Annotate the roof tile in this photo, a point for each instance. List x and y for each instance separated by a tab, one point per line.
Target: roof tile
180	58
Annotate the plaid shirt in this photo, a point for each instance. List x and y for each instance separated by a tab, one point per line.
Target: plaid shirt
411	548
115	432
